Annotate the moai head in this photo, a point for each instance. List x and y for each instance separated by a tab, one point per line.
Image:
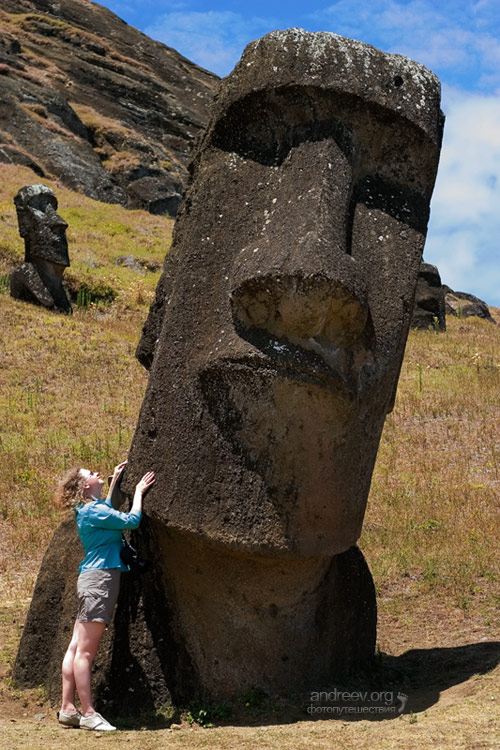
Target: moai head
43	230
281	319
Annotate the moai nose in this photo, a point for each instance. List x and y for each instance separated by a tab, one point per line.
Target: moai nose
55	219
297	279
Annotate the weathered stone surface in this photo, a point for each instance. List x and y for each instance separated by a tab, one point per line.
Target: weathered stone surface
275	343
163	198
429	308
47	637
465	305
39	278
94	102
10	155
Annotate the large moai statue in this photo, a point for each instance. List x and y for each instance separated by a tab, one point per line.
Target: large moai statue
39	278
274	345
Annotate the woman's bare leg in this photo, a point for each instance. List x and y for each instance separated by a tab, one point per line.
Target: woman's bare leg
89	636
68	677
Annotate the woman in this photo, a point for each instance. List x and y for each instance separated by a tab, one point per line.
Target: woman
100	529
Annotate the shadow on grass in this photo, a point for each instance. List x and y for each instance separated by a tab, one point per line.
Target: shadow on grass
395	685
421	675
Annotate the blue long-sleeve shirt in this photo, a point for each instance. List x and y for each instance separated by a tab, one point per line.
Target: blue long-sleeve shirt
100	529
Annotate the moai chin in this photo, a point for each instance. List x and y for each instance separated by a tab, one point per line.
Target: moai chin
275	345
39	278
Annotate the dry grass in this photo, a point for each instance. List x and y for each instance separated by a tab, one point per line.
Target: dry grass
407	733
433	516
39	113
98	122
33	24
122	161
121	145
39	71
70	393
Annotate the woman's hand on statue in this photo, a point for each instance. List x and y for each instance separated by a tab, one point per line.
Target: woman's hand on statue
146	482
118	469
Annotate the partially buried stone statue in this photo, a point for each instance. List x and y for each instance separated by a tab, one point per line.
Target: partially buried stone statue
39	278
275	343
429	309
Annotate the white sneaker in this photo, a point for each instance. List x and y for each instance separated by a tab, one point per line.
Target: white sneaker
96	722
69	720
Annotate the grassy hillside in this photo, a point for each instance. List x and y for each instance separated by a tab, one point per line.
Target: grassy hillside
98	235
71	391
70	386
434	505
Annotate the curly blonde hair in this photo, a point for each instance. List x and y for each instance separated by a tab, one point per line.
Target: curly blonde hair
69	493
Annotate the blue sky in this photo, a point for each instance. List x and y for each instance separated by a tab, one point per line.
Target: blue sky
458	40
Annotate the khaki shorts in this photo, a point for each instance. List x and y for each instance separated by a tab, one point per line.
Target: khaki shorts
97	594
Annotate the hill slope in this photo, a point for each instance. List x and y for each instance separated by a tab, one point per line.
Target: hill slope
94	102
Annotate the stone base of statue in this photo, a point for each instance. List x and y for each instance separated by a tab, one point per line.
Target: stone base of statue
40	286
206	624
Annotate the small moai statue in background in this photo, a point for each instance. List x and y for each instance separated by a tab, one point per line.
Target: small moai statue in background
39	278
429	307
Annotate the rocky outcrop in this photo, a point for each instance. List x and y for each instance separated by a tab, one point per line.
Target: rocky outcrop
464	305
434	301
429	306
95	103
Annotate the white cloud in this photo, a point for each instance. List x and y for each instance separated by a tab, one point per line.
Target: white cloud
464	232
212	39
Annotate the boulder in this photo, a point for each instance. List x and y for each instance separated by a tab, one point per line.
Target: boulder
465	305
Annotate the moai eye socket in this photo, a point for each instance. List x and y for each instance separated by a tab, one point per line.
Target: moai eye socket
42	201
277	121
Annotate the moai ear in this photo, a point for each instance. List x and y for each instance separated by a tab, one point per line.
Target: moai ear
152	327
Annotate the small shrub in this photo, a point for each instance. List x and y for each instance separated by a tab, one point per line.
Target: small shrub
205	715
89	292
